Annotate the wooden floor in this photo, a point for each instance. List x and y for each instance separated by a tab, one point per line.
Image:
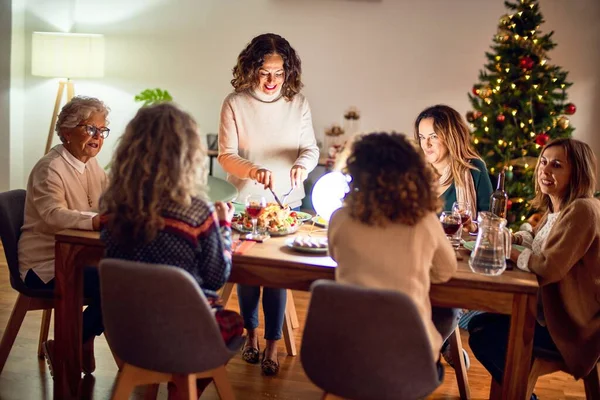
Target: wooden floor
27	377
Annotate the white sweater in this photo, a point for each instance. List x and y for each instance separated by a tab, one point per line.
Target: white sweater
278	135
57	198
395	257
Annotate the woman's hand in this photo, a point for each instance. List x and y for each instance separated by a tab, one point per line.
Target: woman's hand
298	175
224	211
514	255
265	177
96	222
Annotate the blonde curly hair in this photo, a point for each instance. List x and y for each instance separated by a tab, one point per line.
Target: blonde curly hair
391	181
160	158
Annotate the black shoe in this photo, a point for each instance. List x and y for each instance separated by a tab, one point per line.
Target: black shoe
250	354
269	367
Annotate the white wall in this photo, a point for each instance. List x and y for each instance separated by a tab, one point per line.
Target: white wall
390	58
5	28
17	84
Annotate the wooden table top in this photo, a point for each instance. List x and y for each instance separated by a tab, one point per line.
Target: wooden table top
275	253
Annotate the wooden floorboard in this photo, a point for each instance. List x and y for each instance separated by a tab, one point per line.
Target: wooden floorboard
27	377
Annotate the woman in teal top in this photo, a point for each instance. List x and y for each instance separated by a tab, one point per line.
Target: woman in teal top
483	187
446	142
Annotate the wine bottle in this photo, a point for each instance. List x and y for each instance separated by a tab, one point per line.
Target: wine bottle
499	199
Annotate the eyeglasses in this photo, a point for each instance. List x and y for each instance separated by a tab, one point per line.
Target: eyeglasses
93	131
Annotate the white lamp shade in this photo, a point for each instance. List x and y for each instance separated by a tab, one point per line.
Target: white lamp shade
67	55
328	193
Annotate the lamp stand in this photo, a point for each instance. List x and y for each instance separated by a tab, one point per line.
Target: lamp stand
59	94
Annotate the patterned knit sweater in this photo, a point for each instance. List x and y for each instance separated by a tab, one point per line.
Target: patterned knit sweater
192	239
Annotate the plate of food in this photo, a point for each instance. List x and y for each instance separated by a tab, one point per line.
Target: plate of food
471	245
308	244
319	221
302	216
273	219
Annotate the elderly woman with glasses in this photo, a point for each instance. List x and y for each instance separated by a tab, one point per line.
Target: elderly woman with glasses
63	192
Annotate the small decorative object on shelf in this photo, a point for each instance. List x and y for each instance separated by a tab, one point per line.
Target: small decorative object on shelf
336	135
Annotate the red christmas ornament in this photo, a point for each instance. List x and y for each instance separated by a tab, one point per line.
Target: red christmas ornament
542	139
526	62
477	114
475	91
570	109
500	118
509	204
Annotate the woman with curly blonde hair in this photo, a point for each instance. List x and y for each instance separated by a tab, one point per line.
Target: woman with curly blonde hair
389	214
266	140
153	212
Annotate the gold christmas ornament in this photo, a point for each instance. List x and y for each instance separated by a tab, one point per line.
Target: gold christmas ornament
485	92
563	122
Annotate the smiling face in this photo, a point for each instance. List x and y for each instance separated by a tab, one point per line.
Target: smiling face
271	75
554	174
79	143
436	151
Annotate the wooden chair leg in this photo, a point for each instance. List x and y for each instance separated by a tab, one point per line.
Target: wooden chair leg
592	384
12	327
226	292
186	386
495	390
222	384
290	307
151	391
329	396
288	335
460	368
45	327
132	376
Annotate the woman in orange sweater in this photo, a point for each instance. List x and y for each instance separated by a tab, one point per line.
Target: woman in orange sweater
564	253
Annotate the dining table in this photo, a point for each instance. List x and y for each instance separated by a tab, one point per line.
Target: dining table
274	263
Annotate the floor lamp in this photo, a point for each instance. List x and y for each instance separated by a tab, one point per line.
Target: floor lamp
66	56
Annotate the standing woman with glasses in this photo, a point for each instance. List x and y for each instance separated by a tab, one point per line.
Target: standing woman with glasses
63	192
266	140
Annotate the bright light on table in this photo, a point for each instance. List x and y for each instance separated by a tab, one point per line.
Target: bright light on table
328	193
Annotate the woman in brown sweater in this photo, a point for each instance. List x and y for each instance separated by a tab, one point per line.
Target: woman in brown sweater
566	260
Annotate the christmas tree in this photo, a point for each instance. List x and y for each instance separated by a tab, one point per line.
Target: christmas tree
519	103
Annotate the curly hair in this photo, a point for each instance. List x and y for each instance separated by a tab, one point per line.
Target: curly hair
79	109
391	181
160	158
582	184
454	133
251	59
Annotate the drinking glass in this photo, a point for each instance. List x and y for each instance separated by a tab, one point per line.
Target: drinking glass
451	222
255	204
465	211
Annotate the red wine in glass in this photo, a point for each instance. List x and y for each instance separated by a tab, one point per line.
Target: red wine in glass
465	219
450	227
254	209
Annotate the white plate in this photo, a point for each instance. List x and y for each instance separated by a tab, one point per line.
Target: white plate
241	228
318	221
319	250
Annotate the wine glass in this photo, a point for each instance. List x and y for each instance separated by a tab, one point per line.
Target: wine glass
451	222
255	204
464	209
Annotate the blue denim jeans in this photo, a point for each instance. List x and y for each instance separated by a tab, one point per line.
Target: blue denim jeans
273	301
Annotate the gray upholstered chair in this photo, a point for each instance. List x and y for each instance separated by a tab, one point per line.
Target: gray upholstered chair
12	208
158	322
364	344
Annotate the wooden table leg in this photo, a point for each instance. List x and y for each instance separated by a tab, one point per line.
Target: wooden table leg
520	347
291	309
68	319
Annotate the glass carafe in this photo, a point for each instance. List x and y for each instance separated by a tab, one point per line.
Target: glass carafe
492	247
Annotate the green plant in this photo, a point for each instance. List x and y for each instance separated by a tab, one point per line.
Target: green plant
153	96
